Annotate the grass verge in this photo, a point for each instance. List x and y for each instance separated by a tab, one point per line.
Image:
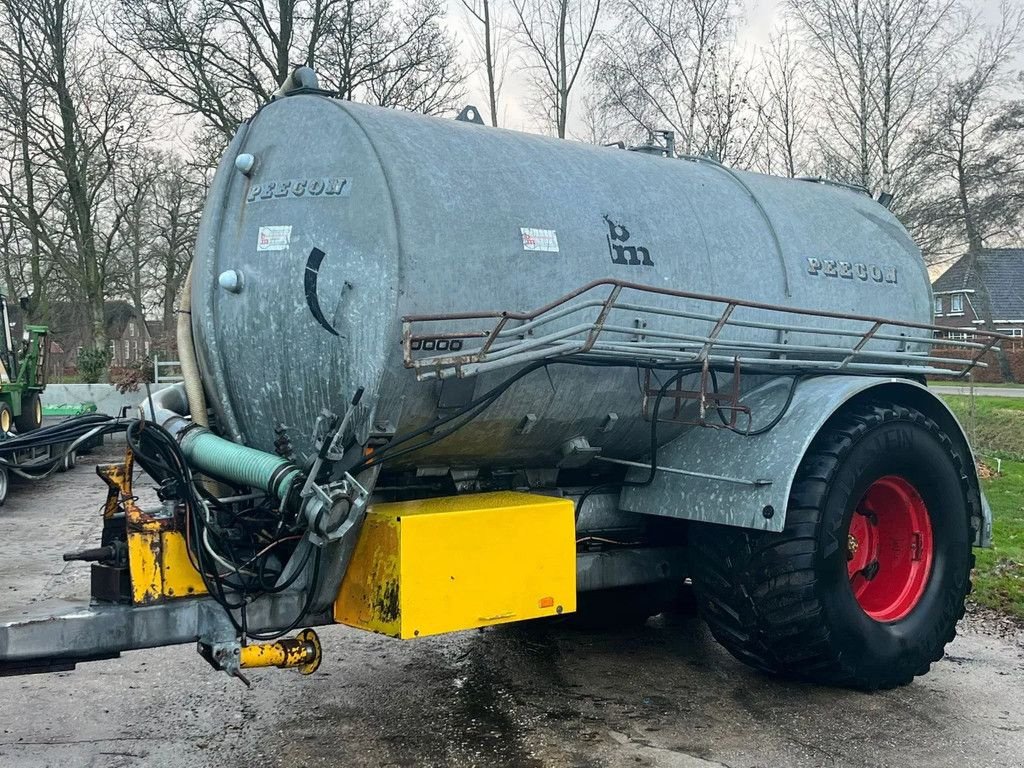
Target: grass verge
995	425
999	576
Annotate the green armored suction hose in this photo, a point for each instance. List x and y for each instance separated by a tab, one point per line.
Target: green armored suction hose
237	463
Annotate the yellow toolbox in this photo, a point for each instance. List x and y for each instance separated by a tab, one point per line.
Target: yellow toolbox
439	565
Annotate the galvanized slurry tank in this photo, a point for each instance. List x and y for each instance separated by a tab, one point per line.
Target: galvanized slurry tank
353	216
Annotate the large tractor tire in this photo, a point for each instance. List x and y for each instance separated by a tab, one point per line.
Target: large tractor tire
31	414
5	485
865	585
6	418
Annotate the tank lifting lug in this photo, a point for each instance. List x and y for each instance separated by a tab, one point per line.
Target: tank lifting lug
577	452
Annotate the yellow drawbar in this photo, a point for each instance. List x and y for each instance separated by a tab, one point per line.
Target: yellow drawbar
440	565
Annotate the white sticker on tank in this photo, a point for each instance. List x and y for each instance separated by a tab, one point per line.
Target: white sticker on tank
274	239
539	239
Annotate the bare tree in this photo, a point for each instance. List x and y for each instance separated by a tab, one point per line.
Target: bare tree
731	127
841	36
176	207
491	47
971	152
30	233
132	194
672	65
599	123
914	39
876	67
555	35
783	103
83	117
221	59
160	198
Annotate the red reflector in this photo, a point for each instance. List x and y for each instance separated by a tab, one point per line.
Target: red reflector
546	602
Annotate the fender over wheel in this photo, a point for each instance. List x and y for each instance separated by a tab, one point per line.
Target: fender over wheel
865	585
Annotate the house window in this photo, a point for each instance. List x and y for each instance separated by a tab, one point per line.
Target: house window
125	349
956	304
938	305
1015	332
960	336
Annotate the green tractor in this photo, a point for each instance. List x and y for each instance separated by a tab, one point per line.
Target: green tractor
22	377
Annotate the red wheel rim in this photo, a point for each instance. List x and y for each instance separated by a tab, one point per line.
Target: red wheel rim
889	549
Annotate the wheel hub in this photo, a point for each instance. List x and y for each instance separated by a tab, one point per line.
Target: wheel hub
889	549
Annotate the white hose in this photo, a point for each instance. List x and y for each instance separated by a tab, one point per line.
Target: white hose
187	357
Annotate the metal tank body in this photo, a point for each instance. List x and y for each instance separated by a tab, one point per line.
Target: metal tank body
352	217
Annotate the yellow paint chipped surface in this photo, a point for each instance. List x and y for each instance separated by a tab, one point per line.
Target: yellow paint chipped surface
180	578
440	565
160	567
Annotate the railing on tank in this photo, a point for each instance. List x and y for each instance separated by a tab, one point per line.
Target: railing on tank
464	344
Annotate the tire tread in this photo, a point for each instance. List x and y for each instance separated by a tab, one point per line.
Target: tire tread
757	590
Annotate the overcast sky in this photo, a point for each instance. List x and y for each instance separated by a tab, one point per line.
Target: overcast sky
759	19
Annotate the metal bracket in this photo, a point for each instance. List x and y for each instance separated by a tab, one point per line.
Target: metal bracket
577	452
708	398
470	114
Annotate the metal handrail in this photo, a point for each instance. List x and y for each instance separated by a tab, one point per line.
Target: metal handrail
513	339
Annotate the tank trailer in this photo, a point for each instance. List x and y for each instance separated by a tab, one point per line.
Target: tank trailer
440	376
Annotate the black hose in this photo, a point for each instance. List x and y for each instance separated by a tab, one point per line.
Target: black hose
774	422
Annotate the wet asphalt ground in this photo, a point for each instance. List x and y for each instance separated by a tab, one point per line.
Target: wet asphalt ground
663	695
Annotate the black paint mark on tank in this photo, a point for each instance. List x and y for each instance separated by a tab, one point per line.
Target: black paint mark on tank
633	255
312	274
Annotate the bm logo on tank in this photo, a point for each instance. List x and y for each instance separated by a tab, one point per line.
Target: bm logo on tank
631	255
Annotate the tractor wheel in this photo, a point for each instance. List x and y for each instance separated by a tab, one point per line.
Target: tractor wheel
6	418
4	484
865	585
31	414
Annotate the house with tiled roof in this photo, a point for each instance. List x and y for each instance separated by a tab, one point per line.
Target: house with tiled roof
982	291
129	335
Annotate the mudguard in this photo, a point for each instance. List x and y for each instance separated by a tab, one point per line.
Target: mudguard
753	474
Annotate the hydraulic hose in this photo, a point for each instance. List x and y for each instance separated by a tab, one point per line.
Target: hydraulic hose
187	357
